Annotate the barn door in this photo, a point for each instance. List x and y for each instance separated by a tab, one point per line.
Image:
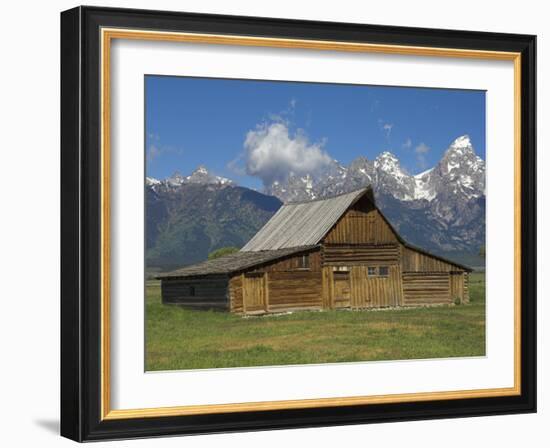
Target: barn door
342	290
254	293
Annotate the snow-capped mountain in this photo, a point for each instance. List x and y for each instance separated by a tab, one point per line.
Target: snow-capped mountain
441	209
201	175
460	172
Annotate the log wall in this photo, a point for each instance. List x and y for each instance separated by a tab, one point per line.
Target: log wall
426	288
294	290
279	286
466	287
414	261
368	254
293	263
209	292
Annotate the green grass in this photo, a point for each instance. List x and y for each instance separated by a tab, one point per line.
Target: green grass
177	338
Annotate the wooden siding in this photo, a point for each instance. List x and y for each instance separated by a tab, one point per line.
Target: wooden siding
327	287
200	293
294	290
414	261
362	224
466	287
236	294
286	286
426	288
293	263
368	254
342	289
375	291
457	287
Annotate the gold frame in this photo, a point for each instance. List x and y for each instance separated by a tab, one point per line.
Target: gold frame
107	35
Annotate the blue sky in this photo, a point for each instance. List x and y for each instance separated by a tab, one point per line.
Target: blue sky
253	131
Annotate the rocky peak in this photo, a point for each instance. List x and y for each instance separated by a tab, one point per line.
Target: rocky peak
461	171
390	177
175	180
459	174
201	175
386	161
461	143
361	166
150	181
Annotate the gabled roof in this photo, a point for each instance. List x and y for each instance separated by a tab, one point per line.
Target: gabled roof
296	227
303	223
306	223
232	263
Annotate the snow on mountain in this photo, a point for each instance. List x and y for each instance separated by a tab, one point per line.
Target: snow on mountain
442	208
423	188
200	175
175	180
460	172
150	181
295	188
391	177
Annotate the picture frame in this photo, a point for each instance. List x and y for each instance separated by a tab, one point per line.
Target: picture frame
86	37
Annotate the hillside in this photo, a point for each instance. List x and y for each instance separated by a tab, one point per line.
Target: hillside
441	209
187	222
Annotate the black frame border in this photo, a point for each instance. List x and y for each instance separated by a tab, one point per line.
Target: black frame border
81	225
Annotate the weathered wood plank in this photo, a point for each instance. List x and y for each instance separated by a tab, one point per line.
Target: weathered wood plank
430	288
344	254
414	261
203	293
361	224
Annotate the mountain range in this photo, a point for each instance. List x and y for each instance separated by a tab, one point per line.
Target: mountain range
441	209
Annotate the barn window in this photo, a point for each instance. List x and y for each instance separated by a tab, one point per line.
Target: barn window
383	271
371	271
192	291
304	262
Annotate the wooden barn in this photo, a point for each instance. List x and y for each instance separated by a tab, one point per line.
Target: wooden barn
339	252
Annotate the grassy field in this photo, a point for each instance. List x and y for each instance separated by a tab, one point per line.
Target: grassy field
183	339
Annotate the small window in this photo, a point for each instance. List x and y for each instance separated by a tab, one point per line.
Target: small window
304	262
371	271
192	291
383	271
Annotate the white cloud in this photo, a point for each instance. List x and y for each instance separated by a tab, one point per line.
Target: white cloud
385	127
155	150
272	152
421	150
235	165
408	144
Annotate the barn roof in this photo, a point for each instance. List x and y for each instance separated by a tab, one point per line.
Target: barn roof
296	227
232	263
302	223
306	223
